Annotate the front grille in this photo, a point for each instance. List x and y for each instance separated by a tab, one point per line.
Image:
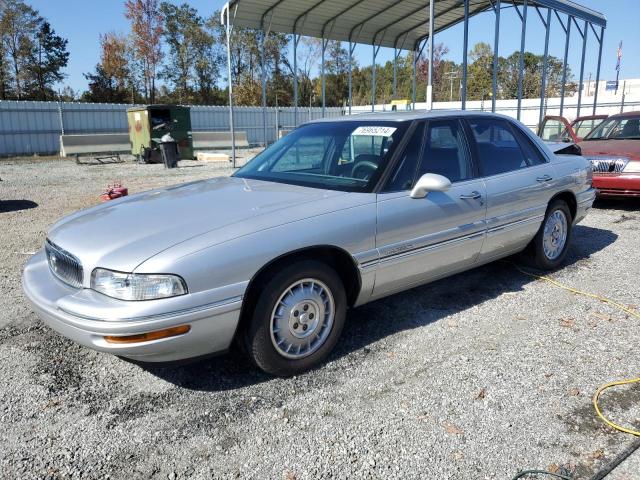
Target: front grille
608	165
64	265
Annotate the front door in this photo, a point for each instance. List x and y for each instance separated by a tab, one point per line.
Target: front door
419	240
556	129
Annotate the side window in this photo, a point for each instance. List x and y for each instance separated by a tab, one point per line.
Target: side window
405	170
531	153
498	150
445	151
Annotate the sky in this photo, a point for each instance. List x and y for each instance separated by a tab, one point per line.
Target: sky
81	22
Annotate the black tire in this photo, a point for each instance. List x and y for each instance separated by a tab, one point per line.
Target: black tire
535	254
258	343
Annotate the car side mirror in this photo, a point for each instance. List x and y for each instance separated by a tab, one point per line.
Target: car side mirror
430	182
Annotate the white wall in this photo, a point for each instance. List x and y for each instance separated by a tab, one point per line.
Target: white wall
608	103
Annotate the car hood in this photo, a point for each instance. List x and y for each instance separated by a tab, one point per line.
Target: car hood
123	233
625	148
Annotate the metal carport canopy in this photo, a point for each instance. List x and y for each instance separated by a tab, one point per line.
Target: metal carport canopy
397	24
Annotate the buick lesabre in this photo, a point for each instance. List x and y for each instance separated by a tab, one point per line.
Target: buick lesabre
336	214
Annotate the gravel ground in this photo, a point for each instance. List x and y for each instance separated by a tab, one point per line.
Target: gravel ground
475	376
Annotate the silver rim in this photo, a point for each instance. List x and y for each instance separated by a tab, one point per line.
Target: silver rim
302	318
555	234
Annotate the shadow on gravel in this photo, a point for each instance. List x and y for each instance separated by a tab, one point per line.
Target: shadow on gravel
16	205
429	303
226	372
627	204
403	311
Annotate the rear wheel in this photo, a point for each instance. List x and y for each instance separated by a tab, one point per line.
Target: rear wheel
297	320
549	247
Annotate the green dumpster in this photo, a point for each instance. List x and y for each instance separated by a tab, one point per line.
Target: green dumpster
149	123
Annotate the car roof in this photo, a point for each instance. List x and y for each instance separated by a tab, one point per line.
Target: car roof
626	114
409	116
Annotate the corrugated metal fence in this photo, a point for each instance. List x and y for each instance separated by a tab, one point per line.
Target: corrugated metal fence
28	128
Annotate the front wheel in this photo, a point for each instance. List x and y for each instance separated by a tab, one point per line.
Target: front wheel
549	247
297	320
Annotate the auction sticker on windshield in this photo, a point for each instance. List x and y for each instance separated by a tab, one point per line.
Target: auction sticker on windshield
372	130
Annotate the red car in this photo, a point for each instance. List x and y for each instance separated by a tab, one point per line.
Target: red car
613	148
558	129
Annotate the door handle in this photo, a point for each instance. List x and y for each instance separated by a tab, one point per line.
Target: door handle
544	178
471	196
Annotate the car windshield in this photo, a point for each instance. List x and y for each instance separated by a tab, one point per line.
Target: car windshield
584	126
344	155
624	128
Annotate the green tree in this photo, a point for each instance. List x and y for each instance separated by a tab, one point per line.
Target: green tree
532	77
208	59
336	69
103	88
182	27
49	56
18	27
246	64
109	82
480	71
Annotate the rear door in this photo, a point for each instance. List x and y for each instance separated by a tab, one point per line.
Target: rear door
520	182
420	239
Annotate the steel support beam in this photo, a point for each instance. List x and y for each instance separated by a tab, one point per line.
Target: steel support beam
584	51
545	61
226	21
595	96
413	79
494	80
302	16
523	34
417	53
395	72
263	78
373	79
352	47
296	39
324	48
429	94
565	63
376	49
574	10
465	47
443	27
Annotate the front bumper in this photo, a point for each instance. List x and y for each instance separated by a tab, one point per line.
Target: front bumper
212	325
617	184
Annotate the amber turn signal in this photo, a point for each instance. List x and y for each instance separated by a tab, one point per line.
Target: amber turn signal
149	336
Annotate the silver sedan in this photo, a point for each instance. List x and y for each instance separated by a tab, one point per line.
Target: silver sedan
334	215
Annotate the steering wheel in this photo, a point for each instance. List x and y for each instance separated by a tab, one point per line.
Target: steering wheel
366	167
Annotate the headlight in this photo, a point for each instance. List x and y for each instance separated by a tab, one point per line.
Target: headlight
133	286
632	167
